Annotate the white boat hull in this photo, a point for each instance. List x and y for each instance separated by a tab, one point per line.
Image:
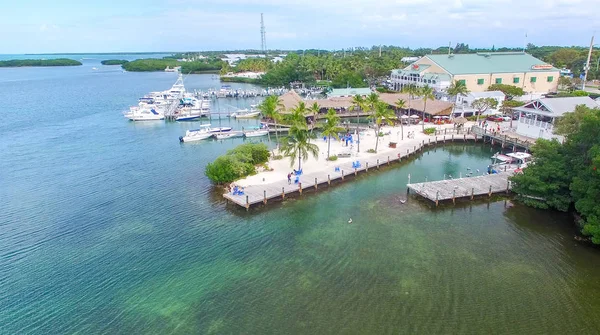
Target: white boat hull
256	133
246	115
145	117
195	137
225	136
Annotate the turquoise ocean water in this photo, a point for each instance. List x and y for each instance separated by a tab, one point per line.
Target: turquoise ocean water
111	227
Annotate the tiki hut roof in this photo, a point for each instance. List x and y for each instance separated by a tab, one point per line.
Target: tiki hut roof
290	99
434	107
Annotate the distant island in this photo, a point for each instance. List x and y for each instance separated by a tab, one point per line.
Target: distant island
39	62
114	62
212	65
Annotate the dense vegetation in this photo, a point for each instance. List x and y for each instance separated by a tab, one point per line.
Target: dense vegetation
567	175
153	64
114	62
39	62
237	163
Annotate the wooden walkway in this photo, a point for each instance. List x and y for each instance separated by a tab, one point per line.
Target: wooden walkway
263	193
453	189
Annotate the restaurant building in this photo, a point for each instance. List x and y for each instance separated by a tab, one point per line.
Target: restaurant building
480	70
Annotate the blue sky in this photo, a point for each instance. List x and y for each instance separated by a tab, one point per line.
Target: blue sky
41	26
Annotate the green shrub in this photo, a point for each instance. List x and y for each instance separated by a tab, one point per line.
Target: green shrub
429	131
237	163
380	134
371	151
254	153
332	158
277	157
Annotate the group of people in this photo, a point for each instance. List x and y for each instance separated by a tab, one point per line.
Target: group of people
293	173
235	190
411	134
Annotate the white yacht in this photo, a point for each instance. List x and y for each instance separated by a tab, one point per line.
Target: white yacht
256	133
144	113
245	113
199	134
232	134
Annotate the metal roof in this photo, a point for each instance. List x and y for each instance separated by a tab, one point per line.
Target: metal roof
346	92
492	62
555	107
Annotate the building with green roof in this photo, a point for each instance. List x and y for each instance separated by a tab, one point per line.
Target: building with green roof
348	92
480	70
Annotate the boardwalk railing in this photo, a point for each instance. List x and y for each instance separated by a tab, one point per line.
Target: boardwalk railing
502	139
338	171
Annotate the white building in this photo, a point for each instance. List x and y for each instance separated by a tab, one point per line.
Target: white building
464	103
536	118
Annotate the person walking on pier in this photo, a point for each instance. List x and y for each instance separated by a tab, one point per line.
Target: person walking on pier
289	178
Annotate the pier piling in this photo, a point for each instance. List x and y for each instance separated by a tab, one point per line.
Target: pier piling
388	160
472	192
367	166
437	198
265	197
328	180
282	193
300	187
247	204
490	192
378	163
315	184
342	174
454	197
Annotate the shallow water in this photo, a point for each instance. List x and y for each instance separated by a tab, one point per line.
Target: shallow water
110	226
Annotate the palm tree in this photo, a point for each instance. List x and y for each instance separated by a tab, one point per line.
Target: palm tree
426	93
358	103
456	89
381	114
331	127
315	108
271	108
298	114
411	90
400	104
298	144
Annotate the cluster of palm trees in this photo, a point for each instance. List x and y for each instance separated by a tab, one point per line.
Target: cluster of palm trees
379	112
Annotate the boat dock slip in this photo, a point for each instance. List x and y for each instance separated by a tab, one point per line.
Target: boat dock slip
452	189
314	181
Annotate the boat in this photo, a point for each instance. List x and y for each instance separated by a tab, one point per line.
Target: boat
245	113
509	162
224	136
144	113
199	134
256	133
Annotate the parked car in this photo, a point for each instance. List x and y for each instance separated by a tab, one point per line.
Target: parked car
495	118
506	117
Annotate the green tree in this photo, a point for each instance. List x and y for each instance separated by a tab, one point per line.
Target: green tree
545	184
483	104
509	90
412	91
457	88
271	108
358	104
314	109
382	114
400	104
564	82
331	127
298	144
426	93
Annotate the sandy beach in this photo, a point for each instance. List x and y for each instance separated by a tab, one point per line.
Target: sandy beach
281	168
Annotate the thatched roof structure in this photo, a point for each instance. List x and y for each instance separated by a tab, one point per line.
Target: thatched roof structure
434	107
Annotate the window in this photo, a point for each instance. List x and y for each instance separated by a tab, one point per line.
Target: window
516	80
533	79
550	79
479	81
498	80
462	82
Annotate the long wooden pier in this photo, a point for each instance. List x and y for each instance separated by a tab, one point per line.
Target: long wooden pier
452	189
263	193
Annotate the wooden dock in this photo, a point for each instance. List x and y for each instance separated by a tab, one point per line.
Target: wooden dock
452	189
263	193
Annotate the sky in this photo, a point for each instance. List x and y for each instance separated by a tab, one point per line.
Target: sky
59	26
